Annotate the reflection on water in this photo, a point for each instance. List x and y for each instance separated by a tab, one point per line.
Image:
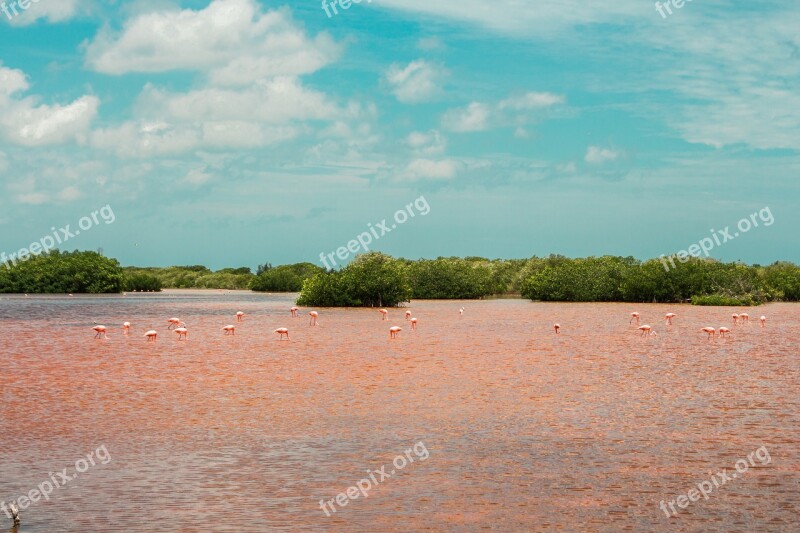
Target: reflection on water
527	430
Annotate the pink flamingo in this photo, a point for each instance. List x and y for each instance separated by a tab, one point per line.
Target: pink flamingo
634	316
646	330
460	312
710	331
230	329
283	331
384	314
745	317
126	326
314	315
735	318
239	316
413	324
669	317
723	331
182	332
101	332
151	335
408	315
763	321
394	331
173	322
294	310
556	327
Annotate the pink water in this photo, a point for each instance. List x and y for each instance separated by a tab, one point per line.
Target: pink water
526	430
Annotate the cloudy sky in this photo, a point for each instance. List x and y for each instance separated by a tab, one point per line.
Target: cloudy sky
235	132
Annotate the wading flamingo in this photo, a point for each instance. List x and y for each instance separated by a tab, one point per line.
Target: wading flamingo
763	321
711	331
101	331
461	312
294	311
239	316
556	327
735	318
313	315
151	335
181	331
723	331
173	322
283	331
634	316
408	315
647	330
230	329
393	331
669	317
745	317
126	326
384	314
413	324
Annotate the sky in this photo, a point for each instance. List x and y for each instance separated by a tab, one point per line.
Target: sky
238	132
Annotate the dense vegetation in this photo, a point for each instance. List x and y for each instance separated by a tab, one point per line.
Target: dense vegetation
376	279
285	278
62	272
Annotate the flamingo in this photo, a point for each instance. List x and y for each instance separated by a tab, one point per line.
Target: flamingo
723	331
313	315
173	322
763	321
710	331
735	318
384	314
669	317
408	315
181	331
647	330
283	331
294	310
101	332
126	326
413	324
461	312
634	316
745	317
556	327
393	331
151	335
239	316
230	329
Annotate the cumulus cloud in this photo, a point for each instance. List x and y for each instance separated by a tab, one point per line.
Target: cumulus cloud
24	122
517	110
430	169
597	156
52	11
418	81
426	143
230	40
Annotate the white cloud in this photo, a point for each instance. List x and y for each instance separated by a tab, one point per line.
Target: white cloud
429	169
516	111
51	10
418	81
24	122
426	143
68	194
474	117
597	156
230	40
197	177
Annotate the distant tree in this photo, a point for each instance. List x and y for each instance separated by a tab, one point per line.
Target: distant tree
263	268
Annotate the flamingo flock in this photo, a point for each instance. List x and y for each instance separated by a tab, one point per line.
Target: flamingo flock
178	326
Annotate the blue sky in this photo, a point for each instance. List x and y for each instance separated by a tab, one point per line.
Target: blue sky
236	132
